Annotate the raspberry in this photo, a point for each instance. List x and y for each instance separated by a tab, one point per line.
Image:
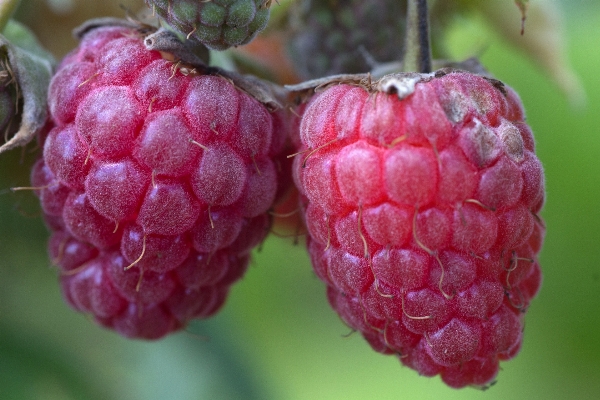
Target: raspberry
156	184
217	24
421	195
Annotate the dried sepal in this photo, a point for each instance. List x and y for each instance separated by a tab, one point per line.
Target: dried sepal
387	78
27	70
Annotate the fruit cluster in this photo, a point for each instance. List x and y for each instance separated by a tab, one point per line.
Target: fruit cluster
420	191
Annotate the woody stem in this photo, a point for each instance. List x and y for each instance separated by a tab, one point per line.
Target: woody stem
417	50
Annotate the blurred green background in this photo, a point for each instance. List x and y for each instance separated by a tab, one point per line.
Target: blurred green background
277	338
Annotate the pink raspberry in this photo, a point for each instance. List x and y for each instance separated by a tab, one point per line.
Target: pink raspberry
422	213
156	184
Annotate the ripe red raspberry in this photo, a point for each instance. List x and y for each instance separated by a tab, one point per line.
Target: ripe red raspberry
421	195
156	184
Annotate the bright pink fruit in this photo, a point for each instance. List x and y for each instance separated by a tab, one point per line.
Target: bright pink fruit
422	214
156	184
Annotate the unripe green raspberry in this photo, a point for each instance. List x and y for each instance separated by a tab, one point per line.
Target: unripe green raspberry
217	24
331	36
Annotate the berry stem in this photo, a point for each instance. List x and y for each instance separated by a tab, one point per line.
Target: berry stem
7	8
417	51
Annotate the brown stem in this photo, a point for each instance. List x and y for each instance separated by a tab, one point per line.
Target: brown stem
417	53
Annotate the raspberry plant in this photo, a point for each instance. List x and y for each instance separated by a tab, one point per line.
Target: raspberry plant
420	190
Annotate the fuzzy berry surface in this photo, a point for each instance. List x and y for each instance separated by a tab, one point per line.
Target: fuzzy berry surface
155	184
422	218
217	24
